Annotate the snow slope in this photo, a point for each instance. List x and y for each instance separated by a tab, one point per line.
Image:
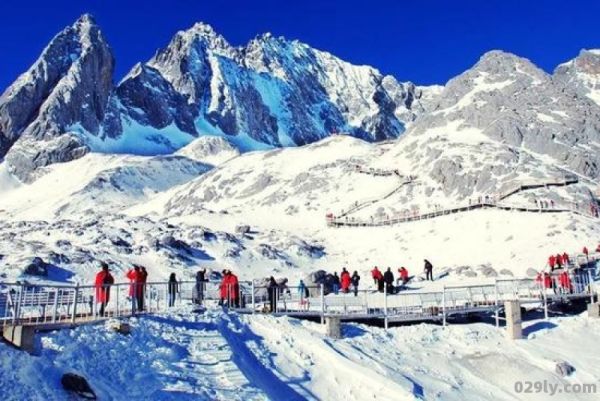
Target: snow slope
183	355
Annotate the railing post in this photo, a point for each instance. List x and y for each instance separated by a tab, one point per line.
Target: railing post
117	301
444	306
496	301
385	308
253	298
17	309
75	303
166	294
55	306
590	286
545	303
322	304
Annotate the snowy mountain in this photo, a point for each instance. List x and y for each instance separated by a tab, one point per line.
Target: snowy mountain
68	85
582	74
223	136
270	93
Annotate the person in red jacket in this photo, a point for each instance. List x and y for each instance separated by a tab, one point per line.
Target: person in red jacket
547	280
403	275
234	290
135	287
223	287
585	251
552	262
565	282
376	274
103	282
345	280
559	261
566	259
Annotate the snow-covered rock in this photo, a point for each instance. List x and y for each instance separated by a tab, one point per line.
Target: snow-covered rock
210	149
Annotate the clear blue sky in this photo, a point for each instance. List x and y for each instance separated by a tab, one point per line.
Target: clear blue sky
424	41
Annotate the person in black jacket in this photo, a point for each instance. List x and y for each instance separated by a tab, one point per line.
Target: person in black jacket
428	270
355	280
336	283
272	290
173	289
388	278
200	279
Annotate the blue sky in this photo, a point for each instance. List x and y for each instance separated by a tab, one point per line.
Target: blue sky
424	41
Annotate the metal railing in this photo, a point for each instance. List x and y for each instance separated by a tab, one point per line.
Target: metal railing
29	304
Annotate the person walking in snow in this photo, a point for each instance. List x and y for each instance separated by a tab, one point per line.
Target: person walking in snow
428	270
355	282
388	278
272	290
336	283
102	283
200	279
552	262
345	281
173	289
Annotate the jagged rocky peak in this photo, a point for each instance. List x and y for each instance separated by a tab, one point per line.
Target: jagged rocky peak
582	74
497	62
69	85
511	101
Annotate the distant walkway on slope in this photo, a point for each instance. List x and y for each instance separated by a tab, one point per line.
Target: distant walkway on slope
344	218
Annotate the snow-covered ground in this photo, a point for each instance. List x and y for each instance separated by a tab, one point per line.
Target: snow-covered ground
216	356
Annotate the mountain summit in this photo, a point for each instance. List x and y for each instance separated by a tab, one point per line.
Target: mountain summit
271	93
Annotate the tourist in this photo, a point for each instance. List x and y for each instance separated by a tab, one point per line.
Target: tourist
428	270
565	282
303	294
403	275
565	258
376	274
223	288
388	278
345	281
172	289
142	287
272	290
559	261
135	287
355	282
200	279
103	282
336	283
233	290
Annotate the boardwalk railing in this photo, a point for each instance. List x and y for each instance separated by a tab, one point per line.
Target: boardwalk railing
498	202
50	305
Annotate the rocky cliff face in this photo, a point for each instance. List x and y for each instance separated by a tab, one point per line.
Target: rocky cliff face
582	74
275	93
270	93
68	85
509	100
